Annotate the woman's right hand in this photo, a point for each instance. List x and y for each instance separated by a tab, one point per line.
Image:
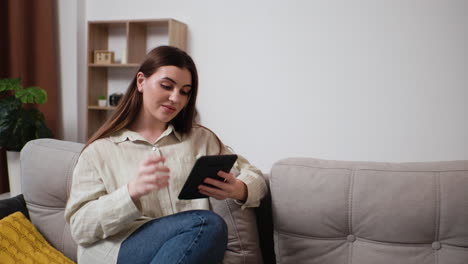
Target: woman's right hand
152	175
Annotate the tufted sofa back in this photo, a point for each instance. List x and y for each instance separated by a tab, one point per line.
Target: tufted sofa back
367	212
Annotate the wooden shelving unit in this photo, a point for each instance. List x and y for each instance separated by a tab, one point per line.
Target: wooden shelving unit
130	40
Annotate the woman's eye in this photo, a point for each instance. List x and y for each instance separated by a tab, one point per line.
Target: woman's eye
165	87
185	92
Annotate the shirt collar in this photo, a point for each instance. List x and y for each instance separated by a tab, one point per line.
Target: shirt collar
130	135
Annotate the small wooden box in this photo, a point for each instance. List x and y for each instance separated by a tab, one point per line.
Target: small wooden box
103	57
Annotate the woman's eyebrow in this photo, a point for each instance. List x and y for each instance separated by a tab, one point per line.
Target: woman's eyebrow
174	82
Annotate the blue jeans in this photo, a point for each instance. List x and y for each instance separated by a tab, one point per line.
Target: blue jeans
197	236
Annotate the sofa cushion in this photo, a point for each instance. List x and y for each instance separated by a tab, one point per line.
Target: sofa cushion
20	242
370	212
13	204
243	241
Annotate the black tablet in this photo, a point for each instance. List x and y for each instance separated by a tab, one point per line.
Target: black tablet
205	166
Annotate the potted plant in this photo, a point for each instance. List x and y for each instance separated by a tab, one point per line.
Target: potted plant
19	123
102	101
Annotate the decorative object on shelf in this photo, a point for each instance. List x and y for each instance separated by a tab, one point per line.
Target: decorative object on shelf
102	100
124	56
103	57
115	98
19	123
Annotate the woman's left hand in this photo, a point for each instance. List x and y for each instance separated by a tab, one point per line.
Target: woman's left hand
231	187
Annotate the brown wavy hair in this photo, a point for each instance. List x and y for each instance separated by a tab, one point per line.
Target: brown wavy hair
131	103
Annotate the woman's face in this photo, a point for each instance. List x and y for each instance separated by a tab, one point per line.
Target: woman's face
165	93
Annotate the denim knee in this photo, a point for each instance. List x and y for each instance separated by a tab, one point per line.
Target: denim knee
215	223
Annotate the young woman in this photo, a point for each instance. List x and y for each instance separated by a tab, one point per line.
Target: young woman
123	204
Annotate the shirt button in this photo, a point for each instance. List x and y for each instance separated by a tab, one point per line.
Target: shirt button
154	148
436	245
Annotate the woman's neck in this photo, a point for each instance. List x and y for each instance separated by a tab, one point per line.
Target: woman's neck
149	128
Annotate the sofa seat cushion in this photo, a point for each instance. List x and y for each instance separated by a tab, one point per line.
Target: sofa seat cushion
370	212
20	242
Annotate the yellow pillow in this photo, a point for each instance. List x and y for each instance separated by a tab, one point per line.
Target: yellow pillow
20	242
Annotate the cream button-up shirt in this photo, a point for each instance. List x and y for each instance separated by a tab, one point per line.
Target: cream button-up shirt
100	211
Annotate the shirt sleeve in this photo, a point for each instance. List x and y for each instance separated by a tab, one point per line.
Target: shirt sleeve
253	179
93	213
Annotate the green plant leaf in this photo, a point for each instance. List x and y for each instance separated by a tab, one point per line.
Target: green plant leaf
32	95
19	125
8	104
10	84
10	108
42	131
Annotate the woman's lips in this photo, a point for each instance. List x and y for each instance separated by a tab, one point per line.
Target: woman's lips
169	108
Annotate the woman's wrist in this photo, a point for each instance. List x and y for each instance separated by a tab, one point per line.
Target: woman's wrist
133	195
242	193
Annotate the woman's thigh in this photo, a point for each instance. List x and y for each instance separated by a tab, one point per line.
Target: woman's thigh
176	239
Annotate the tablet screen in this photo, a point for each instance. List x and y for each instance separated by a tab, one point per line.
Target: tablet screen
205	166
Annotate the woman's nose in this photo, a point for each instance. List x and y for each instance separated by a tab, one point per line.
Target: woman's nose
175	96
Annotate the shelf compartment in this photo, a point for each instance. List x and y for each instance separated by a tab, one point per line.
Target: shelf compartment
96	107
130	40
144	35
116	65
95	120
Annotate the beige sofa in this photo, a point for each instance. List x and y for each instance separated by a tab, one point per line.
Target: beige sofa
319	211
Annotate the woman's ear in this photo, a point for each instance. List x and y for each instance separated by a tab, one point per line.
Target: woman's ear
140	79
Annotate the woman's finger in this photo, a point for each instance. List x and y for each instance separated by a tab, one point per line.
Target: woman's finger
217	197
153	168
155	183
217	183
155	179
213	192
153	159
228	177
162	185
214	196
152	175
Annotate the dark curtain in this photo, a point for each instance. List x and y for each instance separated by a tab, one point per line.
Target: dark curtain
28	49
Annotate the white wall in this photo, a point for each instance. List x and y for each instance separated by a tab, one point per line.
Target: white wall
68	67
354	80
72	67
